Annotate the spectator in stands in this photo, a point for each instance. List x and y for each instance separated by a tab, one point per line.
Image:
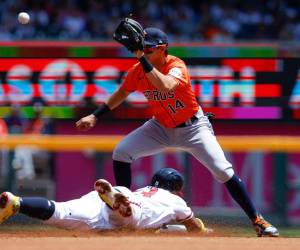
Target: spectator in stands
92	19
15	122
23	160
3	150
3	128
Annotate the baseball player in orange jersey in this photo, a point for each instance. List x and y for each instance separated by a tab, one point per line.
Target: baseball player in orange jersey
177	121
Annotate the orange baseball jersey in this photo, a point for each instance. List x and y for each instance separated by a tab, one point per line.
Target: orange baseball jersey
170	108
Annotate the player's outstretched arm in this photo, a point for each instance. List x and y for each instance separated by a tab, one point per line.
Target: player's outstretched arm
113	101
117	98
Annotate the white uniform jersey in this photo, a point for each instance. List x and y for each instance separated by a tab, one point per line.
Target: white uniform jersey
159	207
151	207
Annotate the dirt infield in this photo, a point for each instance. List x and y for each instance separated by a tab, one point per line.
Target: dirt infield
65	240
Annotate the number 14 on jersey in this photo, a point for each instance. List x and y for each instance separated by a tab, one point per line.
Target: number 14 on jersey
177	105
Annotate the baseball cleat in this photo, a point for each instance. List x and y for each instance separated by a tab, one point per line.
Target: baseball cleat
113	199
264	228
9	205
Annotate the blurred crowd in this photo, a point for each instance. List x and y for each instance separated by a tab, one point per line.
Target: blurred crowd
27	161
182	20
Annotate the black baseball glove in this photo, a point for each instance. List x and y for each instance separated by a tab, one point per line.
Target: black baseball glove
130	33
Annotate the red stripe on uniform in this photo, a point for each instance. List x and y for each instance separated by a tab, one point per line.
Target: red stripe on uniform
187	218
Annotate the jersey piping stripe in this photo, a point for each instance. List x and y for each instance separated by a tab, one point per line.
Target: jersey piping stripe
187	218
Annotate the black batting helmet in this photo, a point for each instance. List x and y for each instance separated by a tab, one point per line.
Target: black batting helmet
169	179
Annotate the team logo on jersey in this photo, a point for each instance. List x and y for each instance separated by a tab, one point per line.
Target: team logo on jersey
176	72
156	95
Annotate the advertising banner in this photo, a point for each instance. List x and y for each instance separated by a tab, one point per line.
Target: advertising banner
232	88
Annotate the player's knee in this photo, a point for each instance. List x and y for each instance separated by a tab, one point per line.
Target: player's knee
224	175
122	154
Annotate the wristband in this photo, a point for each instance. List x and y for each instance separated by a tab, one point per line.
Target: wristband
104	108
147	66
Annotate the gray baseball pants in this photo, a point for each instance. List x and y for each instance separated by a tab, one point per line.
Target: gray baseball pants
197	139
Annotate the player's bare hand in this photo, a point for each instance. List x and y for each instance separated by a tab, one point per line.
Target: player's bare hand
138	53
86	122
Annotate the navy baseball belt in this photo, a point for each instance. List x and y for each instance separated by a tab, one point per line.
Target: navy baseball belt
188	122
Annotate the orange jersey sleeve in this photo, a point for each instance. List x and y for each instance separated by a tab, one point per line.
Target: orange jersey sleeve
170	108
131	80
177	69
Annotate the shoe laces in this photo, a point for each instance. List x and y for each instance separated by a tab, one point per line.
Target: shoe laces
259	221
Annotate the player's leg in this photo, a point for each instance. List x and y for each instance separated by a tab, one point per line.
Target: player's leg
123	208
202	143
207	150
85	213
238	192
80	214
113	198
146	140
35	207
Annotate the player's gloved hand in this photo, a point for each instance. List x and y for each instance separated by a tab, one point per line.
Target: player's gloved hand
200	224
86	122
202	227
130	33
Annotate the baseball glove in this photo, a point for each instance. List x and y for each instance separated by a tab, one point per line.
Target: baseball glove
130	33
